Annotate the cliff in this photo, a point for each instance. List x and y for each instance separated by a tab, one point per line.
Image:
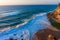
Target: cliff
54	17
57	12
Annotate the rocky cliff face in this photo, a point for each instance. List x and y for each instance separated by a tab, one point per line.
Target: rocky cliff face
54	17
57	12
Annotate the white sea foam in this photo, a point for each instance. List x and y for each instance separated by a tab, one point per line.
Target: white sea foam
26	21
8	14
4	29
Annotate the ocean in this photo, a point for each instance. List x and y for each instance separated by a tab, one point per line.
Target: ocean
12	15
32	17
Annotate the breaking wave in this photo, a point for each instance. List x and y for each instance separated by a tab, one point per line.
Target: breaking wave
13	18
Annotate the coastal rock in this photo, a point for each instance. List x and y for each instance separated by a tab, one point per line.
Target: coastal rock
43	34
54	17
57	12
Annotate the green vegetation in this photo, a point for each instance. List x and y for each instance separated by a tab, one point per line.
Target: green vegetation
55	24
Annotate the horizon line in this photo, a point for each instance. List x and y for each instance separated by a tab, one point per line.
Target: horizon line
28	4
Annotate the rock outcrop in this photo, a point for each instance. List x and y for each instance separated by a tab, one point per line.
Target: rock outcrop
54	17
57	12
43	34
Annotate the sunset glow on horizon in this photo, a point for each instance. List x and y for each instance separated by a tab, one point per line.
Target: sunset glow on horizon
22	2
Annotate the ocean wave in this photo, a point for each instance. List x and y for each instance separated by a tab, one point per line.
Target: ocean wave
33	17
17	17
8	14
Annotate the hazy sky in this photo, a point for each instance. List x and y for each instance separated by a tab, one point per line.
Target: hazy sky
20	2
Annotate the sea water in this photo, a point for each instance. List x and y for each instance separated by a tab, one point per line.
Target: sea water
12	15
33	17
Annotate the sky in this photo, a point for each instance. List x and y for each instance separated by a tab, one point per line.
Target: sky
27	2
